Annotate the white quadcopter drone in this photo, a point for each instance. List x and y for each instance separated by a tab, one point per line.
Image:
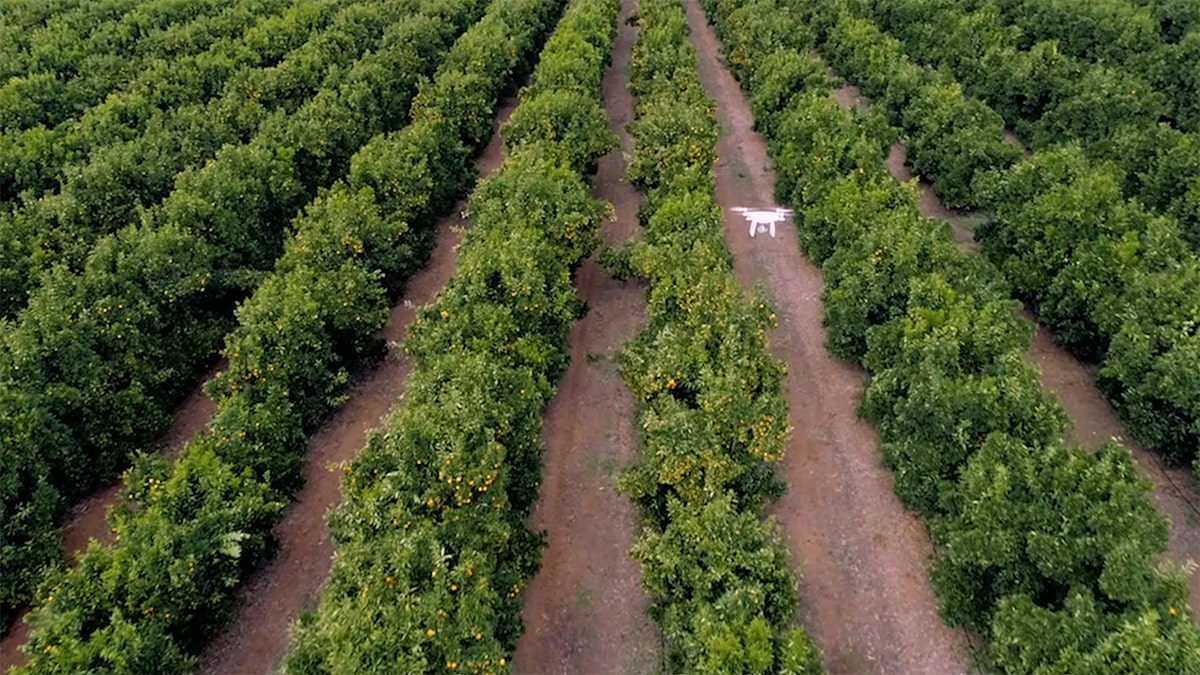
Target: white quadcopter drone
762	219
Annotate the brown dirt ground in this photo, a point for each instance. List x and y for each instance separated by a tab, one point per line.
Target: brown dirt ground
1093	420
257	639
88	520
10	647
962	224
848	96
585	611
864	594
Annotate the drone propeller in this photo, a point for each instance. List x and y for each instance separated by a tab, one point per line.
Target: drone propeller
779	211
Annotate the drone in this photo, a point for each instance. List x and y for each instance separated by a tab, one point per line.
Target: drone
762	219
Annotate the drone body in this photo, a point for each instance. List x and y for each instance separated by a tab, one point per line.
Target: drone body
762	219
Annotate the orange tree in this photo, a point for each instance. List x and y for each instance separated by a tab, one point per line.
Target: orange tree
1088	259
126	156
1050	552
432	546
127	150
713	419
1137	112
189	532
104	352
64	72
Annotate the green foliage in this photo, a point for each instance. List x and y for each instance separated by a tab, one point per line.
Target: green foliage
713	411
524	274
127	149
1162	167
782	75
952	139
29	504
1039	80
761	31
105	352
1091	528
186	534
414	173
881	69
343	225
1101	30
433	549
431	518
713	419
1101	100
108	344
570	61
1050	552
677	138
65	382
228	200
723	590
811	151
1173	68
61	73
1114	282
130	151
566	119
945	376
844	205
867	281
317	321
1044	228
1080	639
478	72
1150	371
299	335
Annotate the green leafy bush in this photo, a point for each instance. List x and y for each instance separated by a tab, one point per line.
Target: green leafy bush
724	592
433	549
1051	553
713	419
299	335
106	350
198	527
570	119
124	154
1090	530
1064	232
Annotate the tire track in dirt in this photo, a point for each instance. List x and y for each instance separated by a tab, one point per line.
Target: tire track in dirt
585	610
88	519
1093	421
865	597
258	637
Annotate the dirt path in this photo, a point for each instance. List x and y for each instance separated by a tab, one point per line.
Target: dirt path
268	604
864	592
585	611
962	223
1093	421
88	520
